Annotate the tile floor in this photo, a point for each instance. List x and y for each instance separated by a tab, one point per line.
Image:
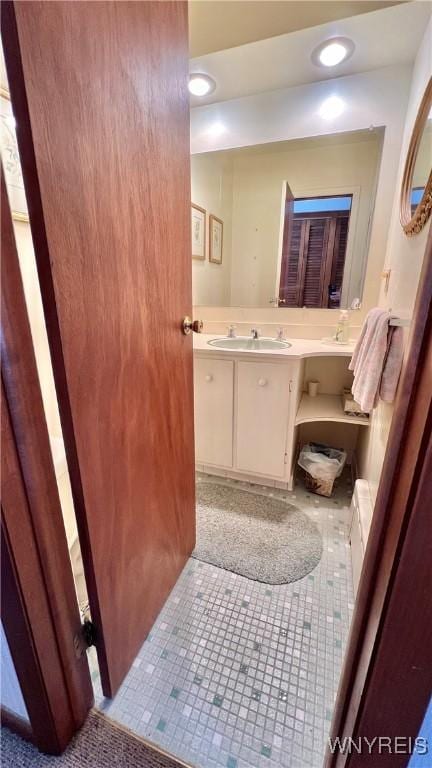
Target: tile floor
238	674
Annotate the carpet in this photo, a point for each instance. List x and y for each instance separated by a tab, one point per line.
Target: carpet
265	539
100	743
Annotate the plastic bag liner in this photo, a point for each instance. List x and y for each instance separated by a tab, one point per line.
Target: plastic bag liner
323	464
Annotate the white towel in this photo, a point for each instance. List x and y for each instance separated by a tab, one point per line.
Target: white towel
377	360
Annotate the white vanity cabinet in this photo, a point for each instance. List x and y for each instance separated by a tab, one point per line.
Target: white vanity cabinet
243	411
262	411
253	413
214	394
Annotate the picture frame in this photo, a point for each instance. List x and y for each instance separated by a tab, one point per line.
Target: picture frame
198	219
215	239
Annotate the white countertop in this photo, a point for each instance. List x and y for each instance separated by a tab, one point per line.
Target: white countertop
299	348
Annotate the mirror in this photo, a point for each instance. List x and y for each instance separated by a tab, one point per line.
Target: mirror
416	193
285	224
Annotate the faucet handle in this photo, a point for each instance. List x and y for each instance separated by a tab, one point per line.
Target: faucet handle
255	332
280	334
231	331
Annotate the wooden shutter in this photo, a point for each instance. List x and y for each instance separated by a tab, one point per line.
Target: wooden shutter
290	265
338	258
304	276
313	257
314	262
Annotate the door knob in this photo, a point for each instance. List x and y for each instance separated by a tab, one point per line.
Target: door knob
262	382
189	325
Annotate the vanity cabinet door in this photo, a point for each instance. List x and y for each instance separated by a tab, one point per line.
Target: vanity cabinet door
263	394
214	385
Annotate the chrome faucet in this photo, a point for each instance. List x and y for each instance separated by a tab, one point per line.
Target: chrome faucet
280	334
255	333
231	331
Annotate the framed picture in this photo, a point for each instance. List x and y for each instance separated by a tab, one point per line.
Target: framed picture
11	159
198	232
216	239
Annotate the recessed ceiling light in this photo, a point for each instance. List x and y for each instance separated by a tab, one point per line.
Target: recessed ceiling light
201	85
332	52
331	108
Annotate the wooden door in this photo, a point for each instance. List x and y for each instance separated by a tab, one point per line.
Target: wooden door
99	92
263	399
214	395
285	275
334	287
314	260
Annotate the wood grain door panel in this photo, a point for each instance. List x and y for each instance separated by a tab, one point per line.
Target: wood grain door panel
100	95
288	235
315	257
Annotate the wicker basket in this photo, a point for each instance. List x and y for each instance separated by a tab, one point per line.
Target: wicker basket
321	487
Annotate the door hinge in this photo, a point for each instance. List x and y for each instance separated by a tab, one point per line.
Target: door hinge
89	633
85	638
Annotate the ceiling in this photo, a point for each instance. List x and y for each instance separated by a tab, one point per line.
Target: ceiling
384	37
215	25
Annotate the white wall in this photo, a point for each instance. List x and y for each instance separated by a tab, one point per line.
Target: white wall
211	181
376	98
11	696
404	257
311	168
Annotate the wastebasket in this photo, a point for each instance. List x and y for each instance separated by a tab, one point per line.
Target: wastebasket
322	465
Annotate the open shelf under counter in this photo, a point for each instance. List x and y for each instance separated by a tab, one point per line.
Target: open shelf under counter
325	408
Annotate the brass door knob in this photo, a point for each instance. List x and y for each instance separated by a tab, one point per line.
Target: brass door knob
189	325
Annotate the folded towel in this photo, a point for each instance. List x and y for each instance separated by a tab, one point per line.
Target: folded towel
377	360
392	364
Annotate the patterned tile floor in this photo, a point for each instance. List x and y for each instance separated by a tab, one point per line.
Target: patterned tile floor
238	674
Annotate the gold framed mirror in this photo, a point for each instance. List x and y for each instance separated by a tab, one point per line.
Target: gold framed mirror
416	191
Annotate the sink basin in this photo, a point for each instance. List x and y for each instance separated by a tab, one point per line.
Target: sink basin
246	344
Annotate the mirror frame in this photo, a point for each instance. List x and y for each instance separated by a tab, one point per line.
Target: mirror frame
413	223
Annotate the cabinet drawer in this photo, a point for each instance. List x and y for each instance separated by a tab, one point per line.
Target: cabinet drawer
262	417
214	393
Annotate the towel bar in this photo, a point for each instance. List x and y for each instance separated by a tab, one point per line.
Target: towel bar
404	322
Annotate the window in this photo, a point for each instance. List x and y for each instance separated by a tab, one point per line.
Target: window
314	250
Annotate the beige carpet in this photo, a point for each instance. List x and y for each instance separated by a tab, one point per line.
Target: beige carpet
100	743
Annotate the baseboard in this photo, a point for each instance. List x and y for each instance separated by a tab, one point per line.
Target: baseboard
354	468
16	724
244	476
